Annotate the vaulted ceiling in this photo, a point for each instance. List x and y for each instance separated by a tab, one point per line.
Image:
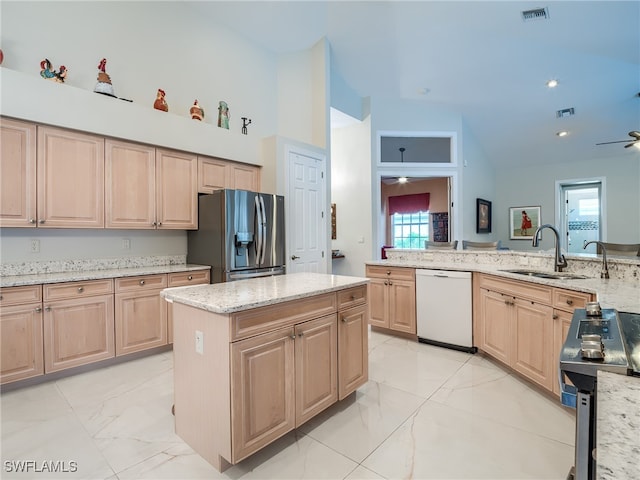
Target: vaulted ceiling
480	59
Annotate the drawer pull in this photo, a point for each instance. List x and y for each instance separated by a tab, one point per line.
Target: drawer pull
569	301
353	297
80	289
190	277
388	272
142	282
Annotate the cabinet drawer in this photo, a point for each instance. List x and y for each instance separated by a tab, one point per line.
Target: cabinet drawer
352	297
263	319
20	295
183	279
58	291
526	290
141	283
397	273
569	300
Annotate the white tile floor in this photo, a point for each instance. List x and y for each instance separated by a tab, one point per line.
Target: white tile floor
426	412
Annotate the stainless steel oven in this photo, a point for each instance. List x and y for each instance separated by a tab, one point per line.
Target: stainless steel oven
595	341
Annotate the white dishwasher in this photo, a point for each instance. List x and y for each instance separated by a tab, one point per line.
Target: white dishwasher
443	304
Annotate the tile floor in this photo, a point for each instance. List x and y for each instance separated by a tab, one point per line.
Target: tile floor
426	412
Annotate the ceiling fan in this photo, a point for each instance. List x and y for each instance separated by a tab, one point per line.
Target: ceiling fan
633	133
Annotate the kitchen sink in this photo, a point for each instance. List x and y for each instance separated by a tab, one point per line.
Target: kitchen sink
549	275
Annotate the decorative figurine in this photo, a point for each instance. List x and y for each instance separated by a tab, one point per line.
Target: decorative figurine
48	73
223	115
196	111
161	103
245	123
104	80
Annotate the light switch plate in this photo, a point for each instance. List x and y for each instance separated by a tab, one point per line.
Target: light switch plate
199	342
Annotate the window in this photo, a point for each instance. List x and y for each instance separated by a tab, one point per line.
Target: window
410	230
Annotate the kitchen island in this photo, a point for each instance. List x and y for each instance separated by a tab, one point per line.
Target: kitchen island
256	358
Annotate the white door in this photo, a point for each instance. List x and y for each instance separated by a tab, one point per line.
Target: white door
306	215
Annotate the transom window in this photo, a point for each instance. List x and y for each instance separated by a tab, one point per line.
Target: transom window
410	230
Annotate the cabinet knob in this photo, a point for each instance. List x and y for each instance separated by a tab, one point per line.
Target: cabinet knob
386	283
390	283
190	277
159	224
344	320
388	272
142	282
569	301
293	337
555	317
41	221
154	223
80	289
1	297
353	297
47	309
300	334
32	220
38	309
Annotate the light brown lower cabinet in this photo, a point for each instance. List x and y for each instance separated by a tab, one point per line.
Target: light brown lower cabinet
257	374
393	298
520	324
21	353
78	323
141	314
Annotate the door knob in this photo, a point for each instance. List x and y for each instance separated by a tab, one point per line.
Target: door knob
294	257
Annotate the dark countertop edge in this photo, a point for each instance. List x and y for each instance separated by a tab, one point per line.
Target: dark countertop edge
168	294
85	275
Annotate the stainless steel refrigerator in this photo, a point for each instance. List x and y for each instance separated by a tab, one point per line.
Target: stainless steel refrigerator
240	235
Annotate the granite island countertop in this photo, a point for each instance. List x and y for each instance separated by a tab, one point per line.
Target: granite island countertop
617	426
241	295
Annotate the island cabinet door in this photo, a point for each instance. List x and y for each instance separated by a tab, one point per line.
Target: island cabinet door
353	364
316	355
262	391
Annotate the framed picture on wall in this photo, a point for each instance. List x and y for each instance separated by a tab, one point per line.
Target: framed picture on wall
483	216
523	222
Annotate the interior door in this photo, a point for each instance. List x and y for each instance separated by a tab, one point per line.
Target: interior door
306	214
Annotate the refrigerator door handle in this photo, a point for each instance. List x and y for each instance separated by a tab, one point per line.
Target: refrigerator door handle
259	230
263	231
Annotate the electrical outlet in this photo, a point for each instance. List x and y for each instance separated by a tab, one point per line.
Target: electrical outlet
199	342
35	246
126	244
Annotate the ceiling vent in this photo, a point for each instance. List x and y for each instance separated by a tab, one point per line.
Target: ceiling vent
535	14
565	112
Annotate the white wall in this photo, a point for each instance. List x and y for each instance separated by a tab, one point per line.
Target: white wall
351	192
535	185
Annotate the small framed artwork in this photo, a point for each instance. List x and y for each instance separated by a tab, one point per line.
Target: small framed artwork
483	216
523	222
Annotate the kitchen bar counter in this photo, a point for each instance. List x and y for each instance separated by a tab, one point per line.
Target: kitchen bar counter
617	426
257	292
623	294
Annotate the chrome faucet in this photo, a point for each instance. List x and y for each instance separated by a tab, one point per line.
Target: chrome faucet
560	262
604	273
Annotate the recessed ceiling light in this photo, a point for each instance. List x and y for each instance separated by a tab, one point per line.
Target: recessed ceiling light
552	83
563	133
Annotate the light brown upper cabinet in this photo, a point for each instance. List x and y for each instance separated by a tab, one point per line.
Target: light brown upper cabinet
17	174
216	174
148	188
70	179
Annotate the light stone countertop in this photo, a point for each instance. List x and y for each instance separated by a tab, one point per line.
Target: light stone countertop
85	275
621	294
257	292
617	426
